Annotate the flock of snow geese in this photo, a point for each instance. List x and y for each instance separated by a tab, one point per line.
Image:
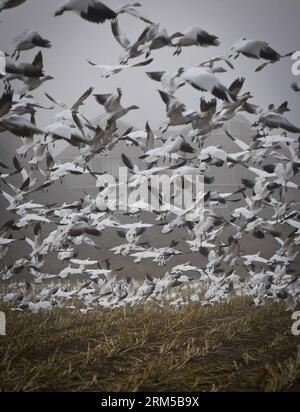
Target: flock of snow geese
272	160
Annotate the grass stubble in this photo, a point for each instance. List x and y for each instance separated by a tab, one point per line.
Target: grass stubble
230	346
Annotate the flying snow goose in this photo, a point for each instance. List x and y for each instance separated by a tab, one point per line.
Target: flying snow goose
60	170
204	79
207	120
133	231
110	70
82	227
256	258
295	87
91	10
177	112
188	172
21	70
257	49
155	37
68	133
79	102
144	139
29	40
275	121
29	218
160	255
71	115
19	126
229	108
131	48
139	176
211	153
194	36
170	82
172	146
9	4
123	40
97	12
281	109
211	62
31	84
36	244
27	105
112	104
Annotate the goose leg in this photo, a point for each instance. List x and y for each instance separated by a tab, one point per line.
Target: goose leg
177	51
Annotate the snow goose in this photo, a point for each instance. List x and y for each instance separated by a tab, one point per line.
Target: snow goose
66	132
70	114
110	70
217	156
295	87
31	84
207	120
21	70
36	244
140	176
112	105
177	112
91	10
19	126
170	82
29	40
9	4
144	139
210	63
59	171
131	48
102	141
160	255
82	227
204	79
188	172
172	146
132	231
281	109
27	105
194	36
97	12
146	288
229	108
276	121
75	107
155	37
257	49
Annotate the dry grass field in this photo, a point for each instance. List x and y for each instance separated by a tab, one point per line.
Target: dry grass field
228	347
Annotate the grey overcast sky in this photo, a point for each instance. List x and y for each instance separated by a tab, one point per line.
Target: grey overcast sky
75	40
